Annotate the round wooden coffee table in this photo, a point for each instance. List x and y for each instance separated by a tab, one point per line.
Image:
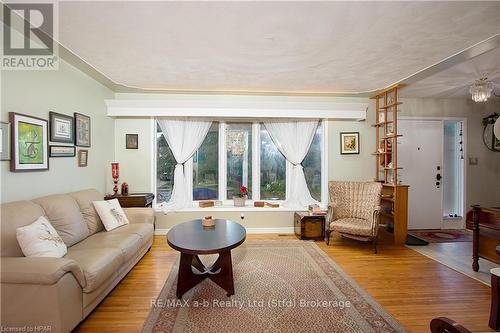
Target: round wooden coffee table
192	239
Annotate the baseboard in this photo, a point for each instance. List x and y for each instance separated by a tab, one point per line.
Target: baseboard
270	230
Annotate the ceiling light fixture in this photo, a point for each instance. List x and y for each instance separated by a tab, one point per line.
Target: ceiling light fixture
481	90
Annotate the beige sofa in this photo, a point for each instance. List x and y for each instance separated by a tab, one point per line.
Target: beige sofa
61	292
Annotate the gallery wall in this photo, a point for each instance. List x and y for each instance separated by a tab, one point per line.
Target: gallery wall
66	90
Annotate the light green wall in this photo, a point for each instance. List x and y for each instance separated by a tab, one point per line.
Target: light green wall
135	164
65	90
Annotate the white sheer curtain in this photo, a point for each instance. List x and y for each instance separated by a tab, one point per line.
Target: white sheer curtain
184	137
293	139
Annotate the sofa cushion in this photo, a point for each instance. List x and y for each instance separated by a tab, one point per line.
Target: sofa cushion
14	215
144	230
111	213
127	244
40	239
352	226
98	264
84	200
64	214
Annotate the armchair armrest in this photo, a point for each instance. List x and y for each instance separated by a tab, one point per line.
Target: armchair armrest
140	215
329	214
375	221
39	270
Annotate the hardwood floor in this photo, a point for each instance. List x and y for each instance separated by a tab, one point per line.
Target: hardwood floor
412	287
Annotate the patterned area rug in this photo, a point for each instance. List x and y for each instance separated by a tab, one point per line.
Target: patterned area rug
281	286
443	236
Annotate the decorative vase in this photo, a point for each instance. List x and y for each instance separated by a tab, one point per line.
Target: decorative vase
115	173
124	188
239	201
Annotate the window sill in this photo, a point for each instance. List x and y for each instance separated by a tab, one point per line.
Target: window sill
231	208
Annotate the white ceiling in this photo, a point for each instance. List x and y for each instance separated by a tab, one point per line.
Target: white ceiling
319	47
456	80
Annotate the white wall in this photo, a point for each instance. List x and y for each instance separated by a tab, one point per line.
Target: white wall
65	90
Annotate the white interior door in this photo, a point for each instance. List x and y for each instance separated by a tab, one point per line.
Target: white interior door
420	156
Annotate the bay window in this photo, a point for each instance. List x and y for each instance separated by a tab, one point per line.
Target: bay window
206	167
165	165
272	169
239	158
235	154
312	165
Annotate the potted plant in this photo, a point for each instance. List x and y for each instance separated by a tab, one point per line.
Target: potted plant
239	200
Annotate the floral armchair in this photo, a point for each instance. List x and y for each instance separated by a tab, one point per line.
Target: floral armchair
353	210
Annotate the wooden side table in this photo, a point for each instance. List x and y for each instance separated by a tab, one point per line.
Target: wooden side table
133	199
308	226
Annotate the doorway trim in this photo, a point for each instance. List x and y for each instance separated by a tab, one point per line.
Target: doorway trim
458	223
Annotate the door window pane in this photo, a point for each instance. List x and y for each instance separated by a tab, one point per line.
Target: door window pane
165	165
272	169
312	165
206	167
239	158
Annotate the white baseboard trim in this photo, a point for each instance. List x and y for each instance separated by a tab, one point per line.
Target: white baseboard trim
276	230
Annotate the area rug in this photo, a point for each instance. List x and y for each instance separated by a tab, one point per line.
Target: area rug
280	286
443	236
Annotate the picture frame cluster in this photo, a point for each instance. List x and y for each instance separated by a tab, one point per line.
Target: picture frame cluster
28	141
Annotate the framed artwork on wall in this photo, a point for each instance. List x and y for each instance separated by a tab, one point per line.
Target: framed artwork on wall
4	141
132	141
62	151
29	143
349	143
61	128
82	130
83	157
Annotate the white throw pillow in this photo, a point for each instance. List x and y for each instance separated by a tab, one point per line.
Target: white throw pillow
111	213
40	239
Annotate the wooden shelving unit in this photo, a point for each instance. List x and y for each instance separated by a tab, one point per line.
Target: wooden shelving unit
394	203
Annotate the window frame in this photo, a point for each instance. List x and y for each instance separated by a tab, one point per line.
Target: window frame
255	146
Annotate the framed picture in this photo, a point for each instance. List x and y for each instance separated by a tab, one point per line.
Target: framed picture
349	143
83	156
62	151
4	141
61	128
82	130
132	141
29	143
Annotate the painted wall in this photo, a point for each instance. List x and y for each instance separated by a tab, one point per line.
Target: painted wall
65	90
135	164
352	167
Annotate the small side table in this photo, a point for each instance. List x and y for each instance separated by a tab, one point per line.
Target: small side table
309	226
133	199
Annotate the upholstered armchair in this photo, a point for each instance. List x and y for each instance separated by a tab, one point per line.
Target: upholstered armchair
353	210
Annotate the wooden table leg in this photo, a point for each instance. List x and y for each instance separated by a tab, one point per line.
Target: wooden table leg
495	300
224	278
221	272
186	279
